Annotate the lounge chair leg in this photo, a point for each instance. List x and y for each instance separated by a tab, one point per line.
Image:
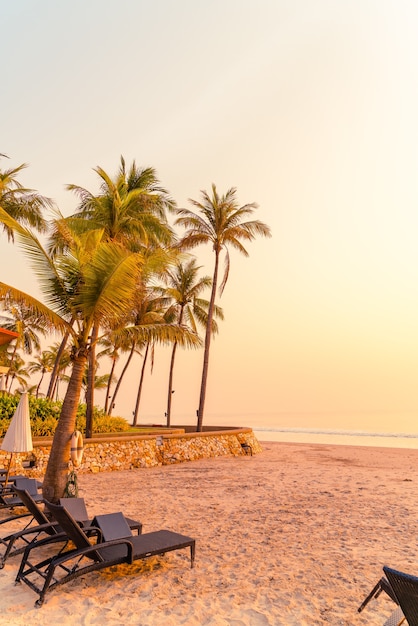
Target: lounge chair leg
192	554
382	585
375	593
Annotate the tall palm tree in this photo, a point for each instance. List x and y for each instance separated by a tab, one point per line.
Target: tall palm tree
219	222
92	281
151	312
131	209
184	289
24	205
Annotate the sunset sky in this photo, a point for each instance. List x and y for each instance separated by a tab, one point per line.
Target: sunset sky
307	107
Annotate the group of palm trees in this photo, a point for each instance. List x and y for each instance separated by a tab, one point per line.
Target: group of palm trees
115	277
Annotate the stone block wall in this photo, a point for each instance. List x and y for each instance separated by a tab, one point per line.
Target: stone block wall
113	453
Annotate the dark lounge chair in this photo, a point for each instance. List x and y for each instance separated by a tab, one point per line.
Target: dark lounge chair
405	588
40	525
8	497
70	563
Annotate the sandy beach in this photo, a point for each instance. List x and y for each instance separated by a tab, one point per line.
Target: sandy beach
294	536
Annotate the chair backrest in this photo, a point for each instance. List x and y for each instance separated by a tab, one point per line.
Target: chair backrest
405	588
113	526
76	507
31	505
71	528
29	484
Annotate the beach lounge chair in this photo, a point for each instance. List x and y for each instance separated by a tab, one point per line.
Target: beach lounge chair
70	563
40	525
405	588
9	498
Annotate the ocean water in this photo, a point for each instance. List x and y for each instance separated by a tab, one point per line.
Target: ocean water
390	429
343	438
379	429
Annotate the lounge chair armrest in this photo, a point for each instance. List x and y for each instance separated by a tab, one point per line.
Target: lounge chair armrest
34	529
77	552
92	531
60	537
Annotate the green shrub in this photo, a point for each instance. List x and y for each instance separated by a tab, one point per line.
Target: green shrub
103	424
44	416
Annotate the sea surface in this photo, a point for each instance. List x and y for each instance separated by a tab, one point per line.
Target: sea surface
388	429
381	429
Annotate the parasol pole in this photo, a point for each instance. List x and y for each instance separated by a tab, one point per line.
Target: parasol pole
8	471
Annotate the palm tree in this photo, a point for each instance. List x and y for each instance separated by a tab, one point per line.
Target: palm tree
150	312
18	373
24	205
219	223
111	349
92	281
43	363
190	309
131	208
26	324
148	325
132	350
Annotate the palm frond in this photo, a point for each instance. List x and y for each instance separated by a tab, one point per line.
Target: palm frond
165	334
109	282
51	320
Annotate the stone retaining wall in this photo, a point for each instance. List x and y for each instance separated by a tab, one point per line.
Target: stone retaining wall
113	453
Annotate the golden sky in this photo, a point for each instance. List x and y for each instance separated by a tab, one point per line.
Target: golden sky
309	108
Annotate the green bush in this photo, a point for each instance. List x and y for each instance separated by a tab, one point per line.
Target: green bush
44	416
103	424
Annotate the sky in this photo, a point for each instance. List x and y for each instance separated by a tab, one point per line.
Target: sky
308	108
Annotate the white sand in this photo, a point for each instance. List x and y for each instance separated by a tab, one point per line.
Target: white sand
295	536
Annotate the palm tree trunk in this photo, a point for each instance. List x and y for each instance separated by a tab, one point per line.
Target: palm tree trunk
109	383
55	388
141	380
170	384
56	471
91	374
39	384
208	336
171	374
55	369
115	393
